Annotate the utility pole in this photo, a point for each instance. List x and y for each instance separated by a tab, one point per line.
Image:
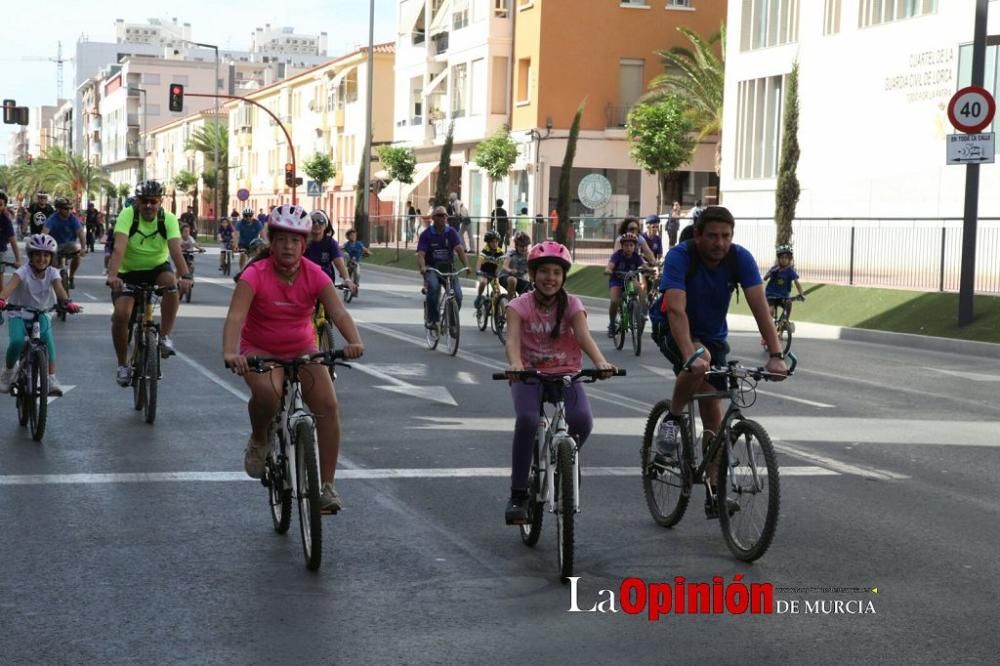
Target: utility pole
365	232
967	281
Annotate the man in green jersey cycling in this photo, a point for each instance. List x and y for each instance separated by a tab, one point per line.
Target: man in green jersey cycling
143	245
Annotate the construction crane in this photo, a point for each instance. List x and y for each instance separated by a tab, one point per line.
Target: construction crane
58	60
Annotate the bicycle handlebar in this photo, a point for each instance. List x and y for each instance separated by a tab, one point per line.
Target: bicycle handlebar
7	263
263	364
137	288
756	373
588	375
455	274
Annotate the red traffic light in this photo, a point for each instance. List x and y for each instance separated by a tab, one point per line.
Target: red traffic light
176	97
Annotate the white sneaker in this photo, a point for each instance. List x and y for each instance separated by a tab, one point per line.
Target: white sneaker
254	457
55	388
167	347
124	376
6	377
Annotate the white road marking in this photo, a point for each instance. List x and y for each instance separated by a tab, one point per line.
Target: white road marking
466	378
669	374
214	378
342	474
844	468
66	389
972	376
90	296
897	388
438	394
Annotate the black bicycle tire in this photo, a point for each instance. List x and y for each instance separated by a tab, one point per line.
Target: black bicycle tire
279	497
636	324
751	552
786	342
500	319
22	402
453	325
151	375
308	497
431	337
532	530
564	518
138	365
39	393
647	452
483	314
328	343
622	325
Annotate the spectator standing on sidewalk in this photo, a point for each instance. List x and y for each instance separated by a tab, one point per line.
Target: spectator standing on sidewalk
673	223
500	223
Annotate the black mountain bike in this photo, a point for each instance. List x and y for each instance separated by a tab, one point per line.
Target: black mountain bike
144	336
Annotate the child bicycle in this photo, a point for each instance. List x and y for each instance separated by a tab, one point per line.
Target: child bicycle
486	310
554	479
292	465
631	313
748	484
782	324
65	258
189	260
447	325
31	385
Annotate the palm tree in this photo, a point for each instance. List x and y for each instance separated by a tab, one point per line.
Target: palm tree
24	179
698	77
69	173
185	181
203	140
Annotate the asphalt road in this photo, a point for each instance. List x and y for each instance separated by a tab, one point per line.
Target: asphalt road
126	543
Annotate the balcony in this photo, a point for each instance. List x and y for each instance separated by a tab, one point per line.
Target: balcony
616	116
440	43
132	119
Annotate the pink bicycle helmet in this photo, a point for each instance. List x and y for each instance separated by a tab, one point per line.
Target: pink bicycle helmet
549	252
288	217
41	243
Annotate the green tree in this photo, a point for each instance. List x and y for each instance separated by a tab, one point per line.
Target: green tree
661	136
400	163
110	194
786	194
203	140
565	178
68	174
25	179
444	169
697	76
187	182
496	155
320	168
124	191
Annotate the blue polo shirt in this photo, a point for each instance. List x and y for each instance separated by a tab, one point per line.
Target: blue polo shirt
438	247
655	244
779	281
64	231
708	293
248	231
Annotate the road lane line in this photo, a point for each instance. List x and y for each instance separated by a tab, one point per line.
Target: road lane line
669	374
214	378
91	297
836	465
342	474
896	387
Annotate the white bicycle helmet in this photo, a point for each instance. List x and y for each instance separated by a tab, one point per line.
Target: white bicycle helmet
288	217
41	243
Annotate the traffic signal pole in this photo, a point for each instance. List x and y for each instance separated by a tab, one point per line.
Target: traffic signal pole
288	137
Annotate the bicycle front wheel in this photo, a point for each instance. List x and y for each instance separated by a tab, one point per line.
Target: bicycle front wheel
500	319
536	509
749	491
483	315
38	390
565	507
666	482
637	320
151	374
307	478
138	367
784	336
452	325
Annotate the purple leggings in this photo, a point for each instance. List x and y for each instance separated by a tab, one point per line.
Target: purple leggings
526	402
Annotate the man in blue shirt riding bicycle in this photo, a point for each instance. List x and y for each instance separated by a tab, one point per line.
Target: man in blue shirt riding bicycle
436	248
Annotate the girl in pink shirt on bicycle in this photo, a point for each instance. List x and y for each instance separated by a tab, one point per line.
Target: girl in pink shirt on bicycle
271	315
546	331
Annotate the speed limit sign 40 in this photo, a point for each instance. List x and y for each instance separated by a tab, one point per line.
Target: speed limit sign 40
971	109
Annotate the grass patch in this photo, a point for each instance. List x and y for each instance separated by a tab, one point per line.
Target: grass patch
916	312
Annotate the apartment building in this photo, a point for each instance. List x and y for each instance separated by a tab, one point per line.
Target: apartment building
453	67
169	155
134	99
323	110
39	129
875	78
61	126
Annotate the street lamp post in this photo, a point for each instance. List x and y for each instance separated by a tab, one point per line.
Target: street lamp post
145	129
215	87
366	221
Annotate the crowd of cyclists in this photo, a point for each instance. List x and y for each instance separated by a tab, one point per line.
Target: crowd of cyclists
290	262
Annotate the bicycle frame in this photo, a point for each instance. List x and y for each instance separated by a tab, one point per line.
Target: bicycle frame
551	432
292	412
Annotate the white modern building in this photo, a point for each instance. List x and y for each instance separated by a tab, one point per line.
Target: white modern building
875	78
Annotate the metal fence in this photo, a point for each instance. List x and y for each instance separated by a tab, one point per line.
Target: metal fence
906	253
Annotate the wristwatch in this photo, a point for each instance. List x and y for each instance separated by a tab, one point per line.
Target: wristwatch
776	355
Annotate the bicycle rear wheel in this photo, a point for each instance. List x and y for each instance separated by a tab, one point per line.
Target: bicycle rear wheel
328	344
749	491
536	509
38	392
452	325
565	503
667	483
138	367
483	314
279	492
637	320
151	374
307	478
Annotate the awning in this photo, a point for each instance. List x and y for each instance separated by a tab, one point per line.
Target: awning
397	191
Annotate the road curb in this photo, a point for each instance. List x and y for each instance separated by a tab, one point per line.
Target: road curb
926	342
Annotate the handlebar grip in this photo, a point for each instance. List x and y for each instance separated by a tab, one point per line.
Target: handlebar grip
698	353
619	372
499	375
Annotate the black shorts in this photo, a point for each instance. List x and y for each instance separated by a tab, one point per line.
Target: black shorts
719	349
147	276
522	285
777	302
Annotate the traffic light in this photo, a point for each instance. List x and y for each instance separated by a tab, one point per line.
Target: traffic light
8	111
289	174
176	97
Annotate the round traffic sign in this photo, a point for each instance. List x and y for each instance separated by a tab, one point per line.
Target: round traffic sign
243	194
971	109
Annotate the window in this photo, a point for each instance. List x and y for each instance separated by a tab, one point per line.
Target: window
477	94
634	3
498	91
630	87
831	17
875	12
758	126
460	14
679	3
500	8
459	93
150	79
768	23
524	79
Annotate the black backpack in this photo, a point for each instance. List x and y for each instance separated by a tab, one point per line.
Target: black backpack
658	311
161	225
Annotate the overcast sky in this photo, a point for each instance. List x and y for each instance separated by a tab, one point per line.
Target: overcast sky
34	28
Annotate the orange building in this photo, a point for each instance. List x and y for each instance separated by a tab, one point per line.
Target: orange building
601	53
